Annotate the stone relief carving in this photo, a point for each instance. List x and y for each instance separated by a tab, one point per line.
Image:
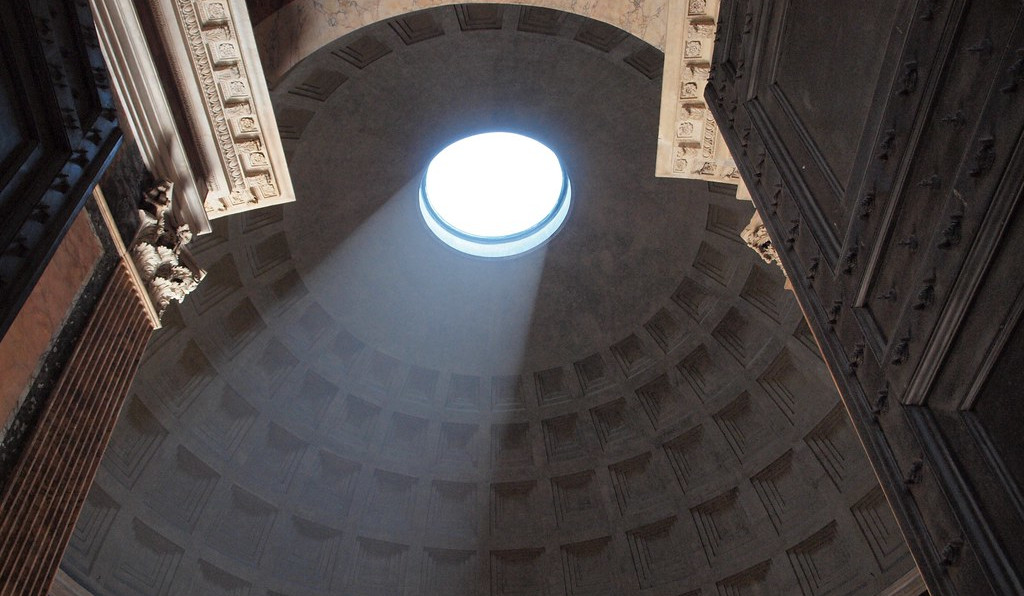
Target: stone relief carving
690	144
165	265
757	238
241	126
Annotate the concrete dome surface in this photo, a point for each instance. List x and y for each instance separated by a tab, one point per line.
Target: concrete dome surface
346	405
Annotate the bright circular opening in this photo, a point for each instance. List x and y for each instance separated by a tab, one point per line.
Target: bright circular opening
495	194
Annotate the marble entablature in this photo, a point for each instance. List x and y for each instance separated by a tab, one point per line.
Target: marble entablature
198	107
689	142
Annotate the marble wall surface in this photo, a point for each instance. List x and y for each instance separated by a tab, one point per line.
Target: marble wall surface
43	314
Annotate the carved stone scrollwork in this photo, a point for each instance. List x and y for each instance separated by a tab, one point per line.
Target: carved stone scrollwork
834	311
951	552
1016	72
757	238
914	473
165	265
856	359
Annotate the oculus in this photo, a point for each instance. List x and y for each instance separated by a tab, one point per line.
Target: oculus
495	194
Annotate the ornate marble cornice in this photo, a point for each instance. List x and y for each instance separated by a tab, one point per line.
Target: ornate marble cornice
236	110
755	235
689	142
198	107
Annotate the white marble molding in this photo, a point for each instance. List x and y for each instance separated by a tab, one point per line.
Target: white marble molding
202	117
689	142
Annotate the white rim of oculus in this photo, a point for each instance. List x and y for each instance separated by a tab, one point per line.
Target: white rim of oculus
495	194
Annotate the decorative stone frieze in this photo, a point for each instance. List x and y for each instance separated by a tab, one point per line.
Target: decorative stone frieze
689	143
222	63
167	268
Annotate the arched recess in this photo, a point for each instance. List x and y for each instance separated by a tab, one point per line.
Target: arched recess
689	143
662	433
302	27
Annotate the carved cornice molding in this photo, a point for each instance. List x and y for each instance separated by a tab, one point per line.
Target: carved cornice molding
200	110
689	142
214	50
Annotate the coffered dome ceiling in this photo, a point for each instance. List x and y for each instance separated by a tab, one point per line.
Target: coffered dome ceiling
348	406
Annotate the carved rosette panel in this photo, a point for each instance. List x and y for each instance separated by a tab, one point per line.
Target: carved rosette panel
689	142
218	33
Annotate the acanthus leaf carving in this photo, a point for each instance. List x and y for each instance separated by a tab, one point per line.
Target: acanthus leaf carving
165	265
755	235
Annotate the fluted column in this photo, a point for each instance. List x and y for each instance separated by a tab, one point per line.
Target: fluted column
41	502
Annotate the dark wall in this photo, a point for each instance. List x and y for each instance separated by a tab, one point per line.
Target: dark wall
261	9
1000	408
882	143
58	128
123	185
